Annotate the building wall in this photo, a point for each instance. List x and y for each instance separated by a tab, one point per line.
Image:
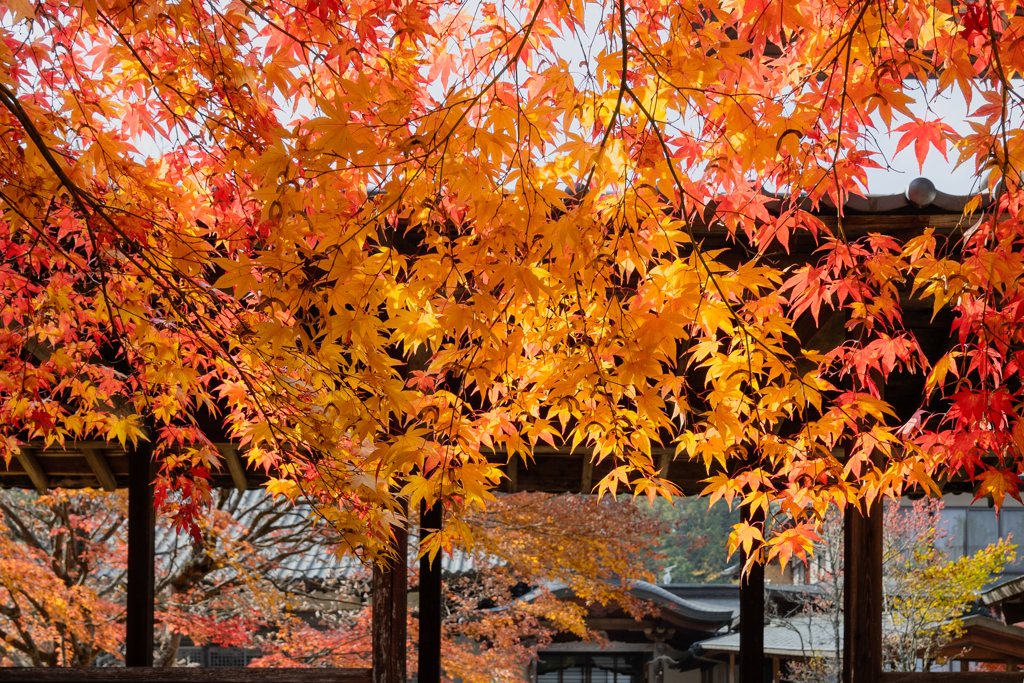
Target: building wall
973	525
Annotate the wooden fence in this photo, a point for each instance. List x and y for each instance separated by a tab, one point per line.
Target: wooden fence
183	675
952	677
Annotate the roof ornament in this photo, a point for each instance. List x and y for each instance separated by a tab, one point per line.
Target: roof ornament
921	192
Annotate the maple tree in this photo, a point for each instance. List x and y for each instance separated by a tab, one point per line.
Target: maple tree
62	568
50	614
376	242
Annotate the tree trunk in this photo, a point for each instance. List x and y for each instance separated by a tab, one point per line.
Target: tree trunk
170	654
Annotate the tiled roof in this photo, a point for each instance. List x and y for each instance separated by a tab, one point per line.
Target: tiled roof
318	562
708	613
1010	590
804	637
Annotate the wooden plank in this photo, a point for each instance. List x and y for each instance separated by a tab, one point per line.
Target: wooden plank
35	471
390	607
184	675
862	595
235	467
141	546
752	613
431	600
101	468
950	677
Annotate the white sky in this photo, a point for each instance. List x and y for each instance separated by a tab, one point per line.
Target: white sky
953	111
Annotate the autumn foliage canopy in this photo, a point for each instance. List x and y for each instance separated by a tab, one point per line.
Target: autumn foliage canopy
377	242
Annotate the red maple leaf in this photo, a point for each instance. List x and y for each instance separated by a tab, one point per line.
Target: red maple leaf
924	134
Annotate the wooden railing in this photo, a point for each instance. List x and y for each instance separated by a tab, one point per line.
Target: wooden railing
952	677
184	675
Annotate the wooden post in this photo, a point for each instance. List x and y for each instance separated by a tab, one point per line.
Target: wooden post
752	613
862	596
862	569
513	474
390	607
431	601
138	646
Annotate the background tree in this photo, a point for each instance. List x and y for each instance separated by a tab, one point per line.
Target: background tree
694	545
61	566
824	662
63	562
925	591
929	592
503	608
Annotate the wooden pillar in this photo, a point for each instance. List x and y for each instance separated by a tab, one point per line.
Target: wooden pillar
390	607
862	562
752	614
138	646
862	596
431	601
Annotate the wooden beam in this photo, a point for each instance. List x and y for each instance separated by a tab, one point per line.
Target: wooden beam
551	470
830	334
664	463
180	675
557	470
752	612
862	595
138	650
390	607
34	470
235	467
431	599
101	468
587	480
